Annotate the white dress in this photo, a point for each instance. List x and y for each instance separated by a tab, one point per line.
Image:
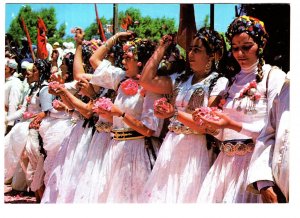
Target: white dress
270	160
53	130
183	159
126	165
22	139
226	180
87	190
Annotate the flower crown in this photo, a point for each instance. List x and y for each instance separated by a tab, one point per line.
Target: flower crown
250	25
213	39
130	48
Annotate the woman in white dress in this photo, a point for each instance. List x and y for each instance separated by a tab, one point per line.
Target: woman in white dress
57	126
22	143
183	159
246	104
126	165
63	179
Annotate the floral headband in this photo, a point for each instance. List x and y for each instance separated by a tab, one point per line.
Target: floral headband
130	49
213	39
250	25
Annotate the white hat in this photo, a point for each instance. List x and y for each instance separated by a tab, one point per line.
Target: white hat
11	63
56	44
24	64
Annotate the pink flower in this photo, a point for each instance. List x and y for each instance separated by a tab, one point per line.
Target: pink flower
257	96
253	84
102	104
126	47
207	113
55	103
54	85
129	54
161	103
28	99
129	87
27	115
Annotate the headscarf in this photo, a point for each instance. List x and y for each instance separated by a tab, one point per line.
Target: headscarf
250	25
214	41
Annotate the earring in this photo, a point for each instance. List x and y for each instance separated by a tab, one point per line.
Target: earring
208	66
139	64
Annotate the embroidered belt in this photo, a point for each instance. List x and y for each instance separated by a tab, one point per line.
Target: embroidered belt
179	128
237	147
103	127
126	134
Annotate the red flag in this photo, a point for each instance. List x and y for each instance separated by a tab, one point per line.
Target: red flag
126	22
100	28
187	26
42	52
24	27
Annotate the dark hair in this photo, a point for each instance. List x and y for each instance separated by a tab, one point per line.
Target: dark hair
256	30
214	44
43	66
86	54
69	60
145	50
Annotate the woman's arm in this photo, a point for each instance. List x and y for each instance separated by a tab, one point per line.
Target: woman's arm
81	107
102	51
78	69
149	79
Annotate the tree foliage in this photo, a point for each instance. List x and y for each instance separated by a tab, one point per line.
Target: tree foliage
147	27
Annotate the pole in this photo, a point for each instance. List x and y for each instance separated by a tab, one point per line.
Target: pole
24	27
212	16
115	19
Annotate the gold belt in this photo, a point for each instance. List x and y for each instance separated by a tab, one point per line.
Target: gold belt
236	147
126	134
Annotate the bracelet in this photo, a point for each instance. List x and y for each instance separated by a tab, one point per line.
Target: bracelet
175	115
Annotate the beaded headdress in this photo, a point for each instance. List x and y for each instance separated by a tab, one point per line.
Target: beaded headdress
140	49
212	38
250	25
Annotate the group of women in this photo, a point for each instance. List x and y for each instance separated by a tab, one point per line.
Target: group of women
104	137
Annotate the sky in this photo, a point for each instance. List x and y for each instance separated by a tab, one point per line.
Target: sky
83	15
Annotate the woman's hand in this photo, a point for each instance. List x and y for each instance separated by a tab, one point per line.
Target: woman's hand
35	123
166	41
164	111
125	36
85	87
224	122
268	195
79	36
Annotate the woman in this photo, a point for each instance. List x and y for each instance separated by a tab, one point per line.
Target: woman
63	179
183	159
23	144
126	164
247	101
57	126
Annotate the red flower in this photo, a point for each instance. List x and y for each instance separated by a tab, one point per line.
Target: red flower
161	103
27	115
129	87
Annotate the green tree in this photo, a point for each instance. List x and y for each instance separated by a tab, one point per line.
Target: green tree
30	18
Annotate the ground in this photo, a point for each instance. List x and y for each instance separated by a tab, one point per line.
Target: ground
18	197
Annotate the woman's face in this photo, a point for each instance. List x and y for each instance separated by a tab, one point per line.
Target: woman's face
198	57
130	66
33	75
244	50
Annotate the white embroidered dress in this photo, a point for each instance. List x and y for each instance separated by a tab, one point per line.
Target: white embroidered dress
126	165
226	180
183	159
